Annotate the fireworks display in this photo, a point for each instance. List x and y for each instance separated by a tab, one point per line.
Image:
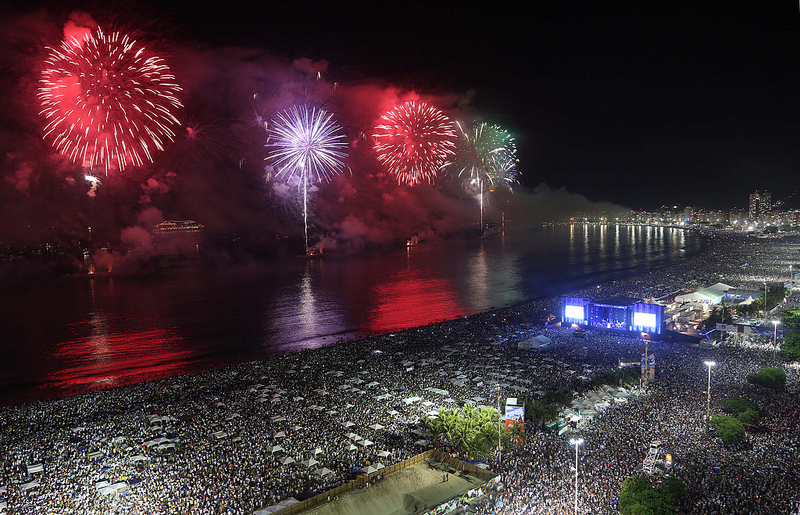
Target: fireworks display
486	153
487	156
308	144
107	102
414	141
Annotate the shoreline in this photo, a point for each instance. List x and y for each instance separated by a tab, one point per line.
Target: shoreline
311	394
548	304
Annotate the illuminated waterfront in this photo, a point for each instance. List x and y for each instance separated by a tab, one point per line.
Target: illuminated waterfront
81	333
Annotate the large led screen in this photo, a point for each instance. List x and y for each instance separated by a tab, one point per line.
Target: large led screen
573	312
644	320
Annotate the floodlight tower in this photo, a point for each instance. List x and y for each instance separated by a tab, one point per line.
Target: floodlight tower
709	364
576	442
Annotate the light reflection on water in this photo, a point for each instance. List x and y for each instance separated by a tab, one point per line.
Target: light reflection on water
81	333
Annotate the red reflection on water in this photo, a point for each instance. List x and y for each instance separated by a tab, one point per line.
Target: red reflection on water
107	360
411	300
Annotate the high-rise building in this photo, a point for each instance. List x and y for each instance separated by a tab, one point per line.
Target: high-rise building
760	204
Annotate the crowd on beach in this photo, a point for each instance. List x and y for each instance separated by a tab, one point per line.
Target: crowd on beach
238	439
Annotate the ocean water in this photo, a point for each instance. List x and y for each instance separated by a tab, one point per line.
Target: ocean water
86	333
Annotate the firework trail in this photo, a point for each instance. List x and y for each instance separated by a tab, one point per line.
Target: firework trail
107	102
486	155
414	141
307	144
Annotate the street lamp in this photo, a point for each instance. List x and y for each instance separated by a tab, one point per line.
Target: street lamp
775	340
499	426
576	442
645	364
708	403
765	301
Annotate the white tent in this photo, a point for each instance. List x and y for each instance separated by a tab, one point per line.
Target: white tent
35	467
710	295
276	507
369	469
287	460
279	434
309	462
376	426
29	485
348	424
277	448
318	451
383	454
365	443
324	471
114	488
351	447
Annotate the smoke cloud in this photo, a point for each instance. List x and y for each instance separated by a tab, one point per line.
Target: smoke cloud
216	172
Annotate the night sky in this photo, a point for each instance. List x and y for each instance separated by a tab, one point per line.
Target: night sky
639	104
688	103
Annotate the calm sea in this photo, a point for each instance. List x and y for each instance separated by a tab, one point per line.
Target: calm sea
83	333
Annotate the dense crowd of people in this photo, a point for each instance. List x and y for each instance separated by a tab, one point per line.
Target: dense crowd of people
244	437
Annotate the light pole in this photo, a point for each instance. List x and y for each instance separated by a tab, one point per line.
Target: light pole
646	364
499	427
576	442
775	341
765	302
708	403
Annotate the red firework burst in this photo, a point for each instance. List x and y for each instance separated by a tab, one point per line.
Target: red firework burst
107	102
414	141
